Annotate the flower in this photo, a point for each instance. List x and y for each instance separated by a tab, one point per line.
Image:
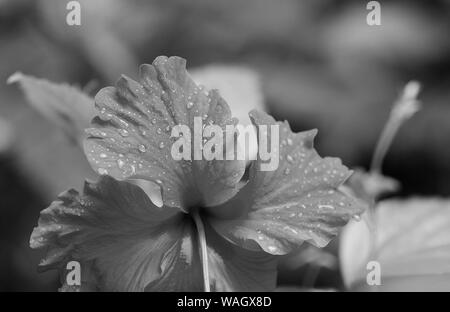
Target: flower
215	228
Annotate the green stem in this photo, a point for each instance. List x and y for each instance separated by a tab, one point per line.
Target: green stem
203	249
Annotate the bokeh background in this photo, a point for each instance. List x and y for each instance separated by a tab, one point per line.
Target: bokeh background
319	65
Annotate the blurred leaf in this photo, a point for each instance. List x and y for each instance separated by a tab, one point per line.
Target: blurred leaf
369	185
65	105
310	255
412	245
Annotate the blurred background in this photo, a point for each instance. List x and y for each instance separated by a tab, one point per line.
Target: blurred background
317	64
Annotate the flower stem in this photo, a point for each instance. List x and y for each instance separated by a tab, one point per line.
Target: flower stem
203	249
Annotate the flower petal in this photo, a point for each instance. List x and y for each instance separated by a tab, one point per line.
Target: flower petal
125	243
132	135
131	242
233	268
299	201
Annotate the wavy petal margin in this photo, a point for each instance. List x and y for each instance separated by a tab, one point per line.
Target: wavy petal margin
131	137
297	202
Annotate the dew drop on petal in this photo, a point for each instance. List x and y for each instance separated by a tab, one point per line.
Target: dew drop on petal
326	207
142	148
102	171
271	248
123	132
129	170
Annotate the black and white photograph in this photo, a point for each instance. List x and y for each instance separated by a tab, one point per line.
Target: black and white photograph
257	147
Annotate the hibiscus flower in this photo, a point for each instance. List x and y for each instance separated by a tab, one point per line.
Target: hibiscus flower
221	226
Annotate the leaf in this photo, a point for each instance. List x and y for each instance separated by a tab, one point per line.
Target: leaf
412	245
125	243
297	202
67	106
131	137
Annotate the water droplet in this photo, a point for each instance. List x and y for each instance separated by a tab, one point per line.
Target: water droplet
154	121
289	141
103	155
159	131
167	128
159	181
271	248
289	158
189	105
127	169
123	132
326	207
287	171
142	148
143	131
357	218
161	145
102	171
120	163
